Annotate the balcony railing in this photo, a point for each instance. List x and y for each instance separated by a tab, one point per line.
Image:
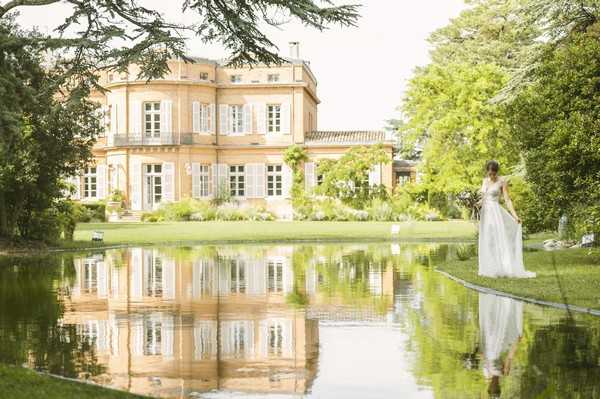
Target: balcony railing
122	140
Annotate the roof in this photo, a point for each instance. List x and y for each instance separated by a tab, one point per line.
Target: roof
332	137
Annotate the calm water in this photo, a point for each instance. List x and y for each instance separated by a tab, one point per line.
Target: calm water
315	321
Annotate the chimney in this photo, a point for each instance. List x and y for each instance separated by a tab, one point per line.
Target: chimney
295	50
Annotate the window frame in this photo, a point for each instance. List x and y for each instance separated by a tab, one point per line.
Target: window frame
236	78
90	186
274	118
236	119
155	115
273	78
204	180
237	181
276	175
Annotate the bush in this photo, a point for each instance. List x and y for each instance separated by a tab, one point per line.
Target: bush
229	212
96	211
380	211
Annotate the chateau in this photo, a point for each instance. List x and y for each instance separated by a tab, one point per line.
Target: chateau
206	127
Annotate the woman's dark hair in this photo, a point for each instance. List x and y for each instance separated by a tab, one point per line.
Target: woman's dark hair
494	166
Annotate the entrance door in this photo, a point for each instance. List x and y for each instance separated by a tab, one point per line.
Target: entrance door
153	186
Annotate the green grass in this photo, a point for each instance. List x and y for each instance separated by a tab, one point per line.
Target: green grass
570	275
17	383
215	232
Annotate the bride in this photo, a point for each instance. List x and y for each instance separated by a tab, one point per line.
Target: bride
500	232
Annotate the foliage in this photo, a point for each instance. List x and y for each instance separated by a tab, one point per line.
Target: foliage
555	120
114	34
295	156
45	137
449	111
347	178
194	210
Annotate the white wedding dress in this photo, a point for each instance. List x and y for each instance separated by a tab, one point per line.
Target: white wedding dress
500	326
500	236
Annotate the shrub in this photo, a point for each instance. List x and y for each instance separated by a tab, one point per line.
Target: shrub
380	211
229	212
93	212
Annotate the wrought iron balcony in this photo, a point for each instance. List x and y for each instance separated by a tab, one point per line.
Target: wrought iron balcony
127	140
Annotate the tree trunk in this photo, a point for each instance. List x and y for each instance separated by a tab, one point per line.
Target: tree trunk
4	228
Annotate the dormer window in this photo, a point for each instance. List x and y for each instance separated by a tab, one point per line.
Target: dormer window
236	78
273	77
203	76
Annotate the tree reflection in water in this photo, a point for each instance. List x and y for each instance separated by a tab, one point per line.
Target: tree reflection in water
174	321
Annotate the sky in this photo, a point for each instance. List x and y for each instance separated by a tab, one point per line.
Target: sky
361	72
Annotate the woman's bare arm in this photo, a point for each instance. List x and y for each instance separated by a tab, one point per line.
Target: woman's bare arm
507	200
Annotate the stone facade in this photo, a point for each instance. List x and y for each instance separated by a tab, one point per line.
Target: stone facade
207	127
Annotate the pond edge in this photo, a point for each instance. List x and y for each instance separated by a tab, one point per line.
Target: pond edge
487	290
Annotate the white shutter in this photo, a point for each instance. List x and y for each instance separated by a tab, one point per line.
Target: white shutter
261	118
247	118
223	119
195	180
114	177
196	128
137	337
167	336
211	118
260	170
250	179
375	175
168	278
166	125
102	280
204	120
309	176
136	119
220	177
136	186
136	273
101	181
287	181
114	120
168	181
76	182
285	118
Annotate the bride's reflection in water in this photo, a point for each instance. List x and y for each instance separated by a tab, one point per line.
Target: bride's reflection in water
501	328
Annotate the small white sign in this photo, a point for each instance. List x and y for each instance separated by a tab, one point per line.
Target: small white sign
395	229
588	239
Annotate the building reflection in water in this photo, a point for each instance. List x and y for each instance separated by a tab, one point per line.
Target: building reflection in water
170	328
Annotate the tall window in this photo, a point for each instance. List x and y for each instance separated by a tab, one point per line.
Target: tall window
275	339
275	276
236	180
90	277
236	116
204	180
153	183
152	119
90	186
274	118
273	77
274	180
153	337
238	277
153	276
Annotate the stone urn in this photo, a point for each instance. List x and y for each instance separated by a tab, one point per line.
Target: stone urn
113	211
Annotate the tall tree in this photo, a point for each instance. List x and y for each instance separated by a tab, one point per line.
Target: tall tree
556	121
448	105
47	126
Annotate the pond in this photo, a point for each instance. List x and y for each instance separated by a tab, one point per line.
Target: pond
306	320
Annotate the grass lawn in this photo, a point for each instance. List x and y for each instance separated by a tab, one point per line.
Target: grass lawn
17	383
207	232
575	279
